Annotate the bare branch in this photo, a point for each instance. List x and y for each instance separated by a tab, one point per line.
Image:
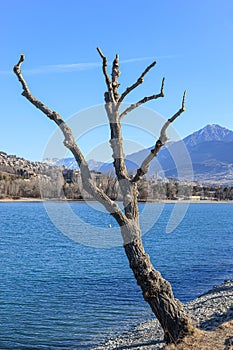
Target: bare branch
181	110
138	82
115	76
70	143
160	142
107	79
144	100
26	93
162	87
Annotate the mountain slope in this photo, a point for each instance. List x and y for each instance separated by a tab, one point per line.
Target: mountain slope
210	152
212	132
207	151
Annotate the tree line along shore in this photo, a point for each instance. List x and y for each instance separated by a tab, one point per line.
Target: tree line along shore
49	182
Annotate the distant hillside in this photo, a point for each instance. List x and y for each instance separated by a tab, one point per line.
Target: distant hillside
20	166
22	178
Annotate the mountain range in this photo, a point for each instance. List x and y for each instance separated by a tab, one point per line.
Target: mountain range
205	155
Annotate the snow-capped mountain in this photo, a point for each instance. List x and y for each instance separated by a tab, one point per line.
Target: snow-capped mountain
212	132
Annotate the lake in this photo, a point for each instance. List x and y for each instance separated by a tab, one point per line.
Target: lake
56	293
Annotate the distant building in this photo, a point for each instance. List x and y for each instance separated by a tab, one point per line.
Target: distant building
195	198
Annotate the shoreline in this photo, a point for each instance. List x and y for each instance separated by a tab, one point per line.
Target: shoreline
208	311
162	201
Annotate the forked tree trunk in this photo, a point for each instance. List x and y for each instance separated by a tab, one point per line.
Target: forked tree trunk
158	293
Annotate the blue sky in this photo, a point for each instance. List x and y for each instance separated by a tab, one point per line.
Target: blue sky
190	40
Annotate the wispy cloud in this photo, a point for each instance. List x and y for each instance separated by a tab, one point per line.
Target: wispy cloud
138	59
60	68
74	67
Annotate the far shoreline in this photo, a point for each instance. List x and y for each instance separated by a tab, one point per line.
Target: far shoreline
150	201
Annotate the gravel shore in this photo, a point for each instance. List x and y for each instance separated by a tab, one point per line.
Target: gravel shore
208	311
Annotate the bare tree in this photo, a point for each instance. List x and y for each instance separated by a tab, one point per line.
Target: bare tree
155	289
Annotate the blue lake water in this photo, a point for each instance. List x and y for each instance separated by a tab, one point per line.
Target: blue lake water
58	294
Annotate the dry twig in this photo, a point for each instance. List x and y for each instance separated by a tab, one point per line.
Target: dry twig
144	100
138	82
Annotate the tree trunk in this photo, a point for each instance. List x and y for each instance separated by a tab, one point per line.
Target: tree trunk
157	292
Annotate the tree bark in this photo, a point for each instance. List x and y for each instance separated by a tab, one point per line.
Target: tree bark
157	292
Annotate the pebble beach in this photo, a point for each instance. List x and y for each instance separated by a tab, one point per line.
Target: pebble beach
207	311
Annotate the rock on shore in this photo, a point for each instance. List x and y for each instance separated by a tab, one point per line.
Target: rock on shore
208	311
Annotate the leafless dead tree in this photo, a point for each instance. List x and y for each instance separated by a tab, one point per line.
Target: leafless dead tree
156	290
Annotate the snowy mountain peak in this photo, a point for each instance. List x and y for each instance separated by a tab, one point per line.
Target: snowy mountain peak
213	132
